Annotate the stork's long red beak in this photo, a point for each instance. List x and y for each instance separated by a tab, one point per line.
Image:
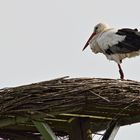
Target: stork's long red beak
87	43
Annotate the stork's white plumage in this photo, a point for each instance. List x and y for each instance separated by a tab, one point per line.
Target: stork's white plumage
115	44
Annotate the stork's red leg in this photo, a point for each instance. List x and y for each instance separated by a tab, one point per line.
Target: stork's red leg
121	72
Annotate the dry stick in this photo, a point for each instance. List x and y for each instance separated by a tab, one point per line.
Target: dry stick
57	79
99	96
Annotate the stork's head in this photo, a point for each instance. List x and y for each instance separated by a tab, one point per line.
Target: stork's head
97	29
100	28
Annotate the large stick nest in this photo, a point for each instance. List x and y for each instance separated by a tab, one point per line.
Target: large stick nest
101	100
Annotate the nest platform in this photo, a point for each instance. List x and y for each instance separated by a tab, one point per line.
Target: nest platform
65	103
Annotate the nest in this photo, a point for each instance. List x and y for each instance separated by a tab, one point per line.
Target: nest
58	100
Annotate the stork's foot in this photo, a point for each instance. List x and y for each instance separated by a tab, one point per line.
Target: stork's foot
121	72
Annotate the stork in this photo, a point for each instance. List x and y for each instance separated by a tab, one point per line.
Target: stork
115	44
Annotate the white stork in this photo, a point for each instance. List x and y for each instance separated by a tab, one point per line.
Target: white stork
115	44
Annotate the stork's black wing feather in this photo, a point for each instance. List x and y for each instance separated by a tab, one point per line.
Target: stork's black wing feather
131	42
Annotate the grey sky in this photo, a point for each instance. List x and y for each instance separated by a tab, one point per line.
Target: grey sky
43	39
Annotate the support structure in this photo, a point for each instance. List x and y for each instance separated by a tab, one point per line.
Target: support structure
80	129
45	130
111	131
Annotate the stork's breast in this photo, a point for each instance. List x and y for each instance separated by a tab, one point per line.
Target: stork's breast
95	47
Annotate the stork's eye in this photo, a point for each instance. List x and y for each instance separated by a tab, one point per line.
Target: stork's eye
96	28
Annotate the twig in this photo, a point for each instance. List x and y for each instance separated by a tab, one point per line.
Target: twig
99	96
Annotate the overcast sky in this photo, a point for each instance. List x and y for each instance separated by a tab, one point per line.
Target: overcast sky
43	39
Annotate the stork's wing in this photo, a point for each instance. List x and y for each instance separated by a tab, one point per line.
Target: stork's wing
131	42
